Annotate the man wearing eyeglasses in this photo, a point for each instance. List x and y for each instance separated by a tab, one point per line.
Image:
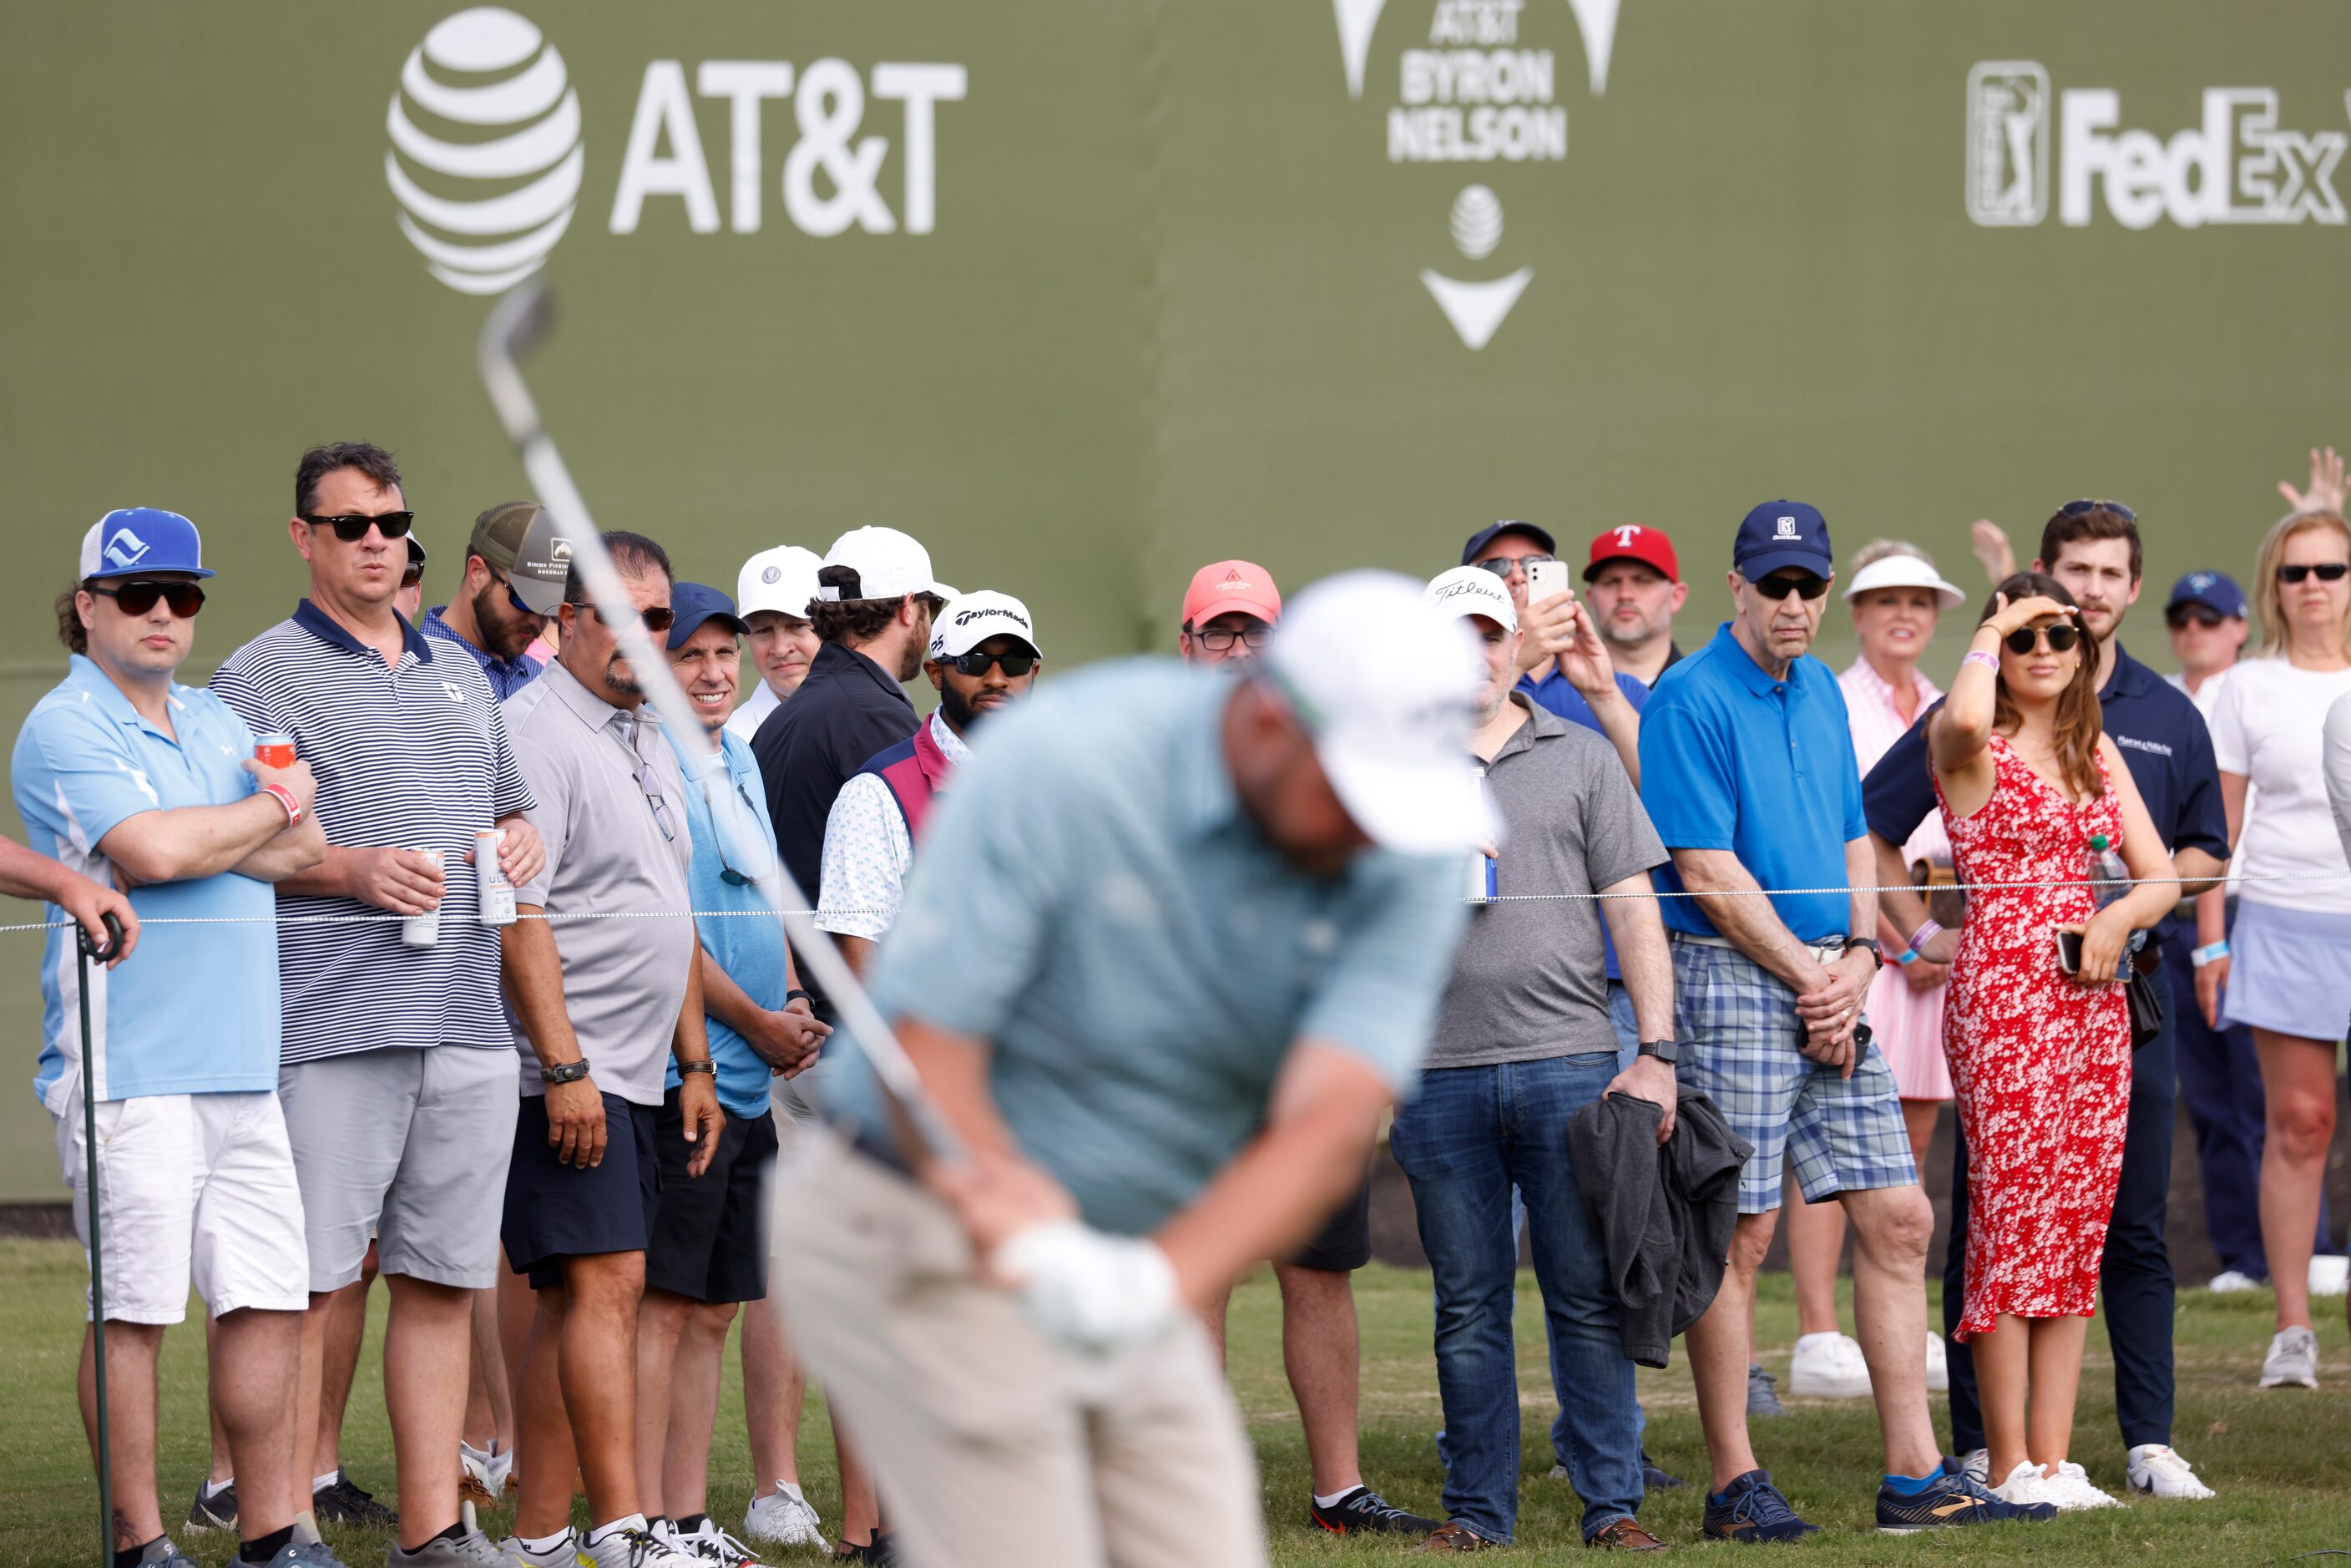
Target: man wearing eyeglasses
395	1064
511	586
1230	613
605	1006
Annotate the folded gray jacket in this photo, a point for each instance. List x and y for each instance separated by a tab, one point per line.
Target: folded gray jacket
1666	1214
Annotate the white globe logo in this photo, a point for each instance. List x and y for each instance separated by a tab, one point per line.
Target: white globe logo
1476	221
505	171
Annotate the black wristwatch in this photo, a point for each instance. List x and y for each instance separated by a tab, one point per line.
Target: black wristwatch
1666	1050
1877	954
797	994
570	1073
705	1065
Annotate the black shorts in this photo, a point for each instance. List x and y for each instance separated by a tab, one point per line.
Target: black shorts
709	1243
1344	1243
555	1211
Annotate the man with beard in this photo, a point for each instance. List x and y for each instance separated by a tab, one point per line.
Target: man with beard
505	602
983	655
1634	582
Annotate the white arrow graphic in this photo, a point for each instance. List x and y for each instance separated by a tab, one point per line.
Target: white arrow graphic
1596	20
1356	20
1476	310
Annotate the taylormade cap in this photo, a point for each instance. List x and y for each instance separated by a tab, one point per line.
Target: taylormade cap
1230	586
1905	572
1650	546
541	563
888	564
1781	536
1485	536
1474	590
140	539
2215	590
691	604
973	618
782	579
1391	714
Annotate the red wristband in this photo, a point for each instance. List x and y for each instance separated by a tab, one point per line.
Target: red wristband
284	798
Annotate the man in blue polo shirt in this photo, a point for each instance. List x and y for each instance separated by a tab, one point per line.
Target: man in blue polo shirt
2093	547
123	775
1748	775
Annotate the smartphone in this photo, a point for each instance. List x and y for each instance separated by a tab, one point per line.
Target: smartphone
1546	580
2069	952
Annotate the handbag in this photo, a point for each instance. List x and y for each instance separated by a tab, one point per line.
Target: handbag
2145	1008
1939	884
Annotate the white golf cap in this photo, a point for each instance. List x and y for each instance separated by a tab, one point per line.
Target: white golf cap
1387	684
888	564
1474	590
1905	571
973	618
783	578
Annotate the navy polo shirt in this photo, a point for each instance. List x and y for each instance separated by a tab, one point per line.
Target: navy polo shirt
1734	760
2156	726
1556	692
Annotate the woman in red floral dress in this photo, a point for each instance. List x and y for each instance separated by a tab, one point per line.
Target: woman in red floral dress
2040	1059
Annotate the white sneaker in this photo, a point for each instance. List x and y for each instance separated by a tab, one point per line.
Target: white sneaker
714	1545
2229	1281
1977	1466
482	1472
635	1546
2158	1472
784	1518
2026	1486
2292	1360
1939	1370
1828	1366
2070	1490
2330	1274
566	1554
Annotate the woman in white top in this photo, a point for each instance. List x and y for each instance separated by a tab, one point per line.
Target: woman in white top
2289	965
1896	596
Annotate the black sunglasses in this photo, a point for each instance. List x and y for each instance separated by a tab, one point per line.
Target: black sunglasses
657	619
2179	616
2083	509
2326	571
412	575
2061	637
976	662
353	526
139	598
1804	584
1503	565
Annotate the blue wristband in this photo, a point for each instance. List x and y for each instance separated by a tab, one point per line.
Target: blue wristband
2201	956
1908	956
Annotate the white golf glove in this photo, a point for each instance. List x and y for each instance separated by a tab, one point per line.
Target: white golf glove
1088	1290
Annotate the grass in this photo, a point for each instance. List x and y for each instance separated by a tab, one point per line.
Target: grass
2279	1459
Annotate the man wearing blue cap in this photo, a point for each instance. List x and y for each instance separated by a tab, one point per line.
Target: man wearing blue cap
1748	772
123	775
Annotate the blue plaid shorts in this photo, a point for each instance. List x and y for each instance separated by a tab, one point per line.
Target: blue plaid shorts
1742	1040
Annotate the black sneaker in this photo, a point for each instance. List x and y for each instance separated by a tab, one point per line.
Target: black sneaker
1752	1509
1655	1477
218	1511
1366	1512
345	1502
878	1553
1954	1498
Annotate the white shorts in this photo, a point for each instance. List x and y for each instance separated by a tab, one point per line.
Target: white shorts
193	1189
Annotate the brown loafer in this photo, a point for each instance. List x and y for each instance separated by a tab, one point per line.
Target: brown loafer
1626	1535
1455	1537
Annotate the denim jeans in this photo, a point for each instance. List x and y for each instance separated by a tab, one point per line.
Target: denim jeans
1468	1136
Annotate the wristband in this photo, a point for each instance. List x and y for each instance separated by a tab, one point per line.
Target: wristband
568	1072
1927	931
797	994
1977	656
705	1065
284	798
2209	953
1908	956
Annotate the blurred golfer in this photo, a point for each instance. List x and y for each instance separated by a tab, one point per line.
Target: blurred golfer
1172	945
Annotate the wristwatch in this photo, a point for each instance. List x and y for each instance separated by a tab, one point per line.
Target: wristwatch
1666	1050
705	1065
570	1073
1877	954
797	994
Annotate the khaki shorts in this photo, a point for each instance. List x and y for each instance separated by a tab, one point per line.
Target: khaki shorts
992	1449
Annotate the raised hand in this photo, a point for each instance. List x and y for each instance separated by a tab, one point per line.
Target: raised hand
1989	543
2327	491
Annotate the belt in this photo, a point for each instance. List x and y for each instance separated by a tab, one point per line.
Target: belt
1826	952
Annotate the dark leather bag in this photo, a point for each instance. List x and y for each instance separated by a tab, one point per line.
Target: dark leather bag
2146	1007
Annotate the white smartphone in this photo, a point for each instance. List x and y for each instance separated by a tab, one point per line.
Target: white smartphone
1546	580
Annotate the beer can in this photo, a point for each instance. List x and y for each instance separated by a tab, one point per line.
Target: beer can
497	894
424	930
274	750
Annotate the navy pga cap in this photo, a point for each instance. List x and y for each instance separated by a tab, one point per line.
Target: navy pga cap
2215	590
1779	534
142	538
691	604
1484	537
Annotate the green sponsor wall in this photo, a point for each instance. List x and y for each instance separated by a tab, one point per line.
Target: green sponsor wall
1171	307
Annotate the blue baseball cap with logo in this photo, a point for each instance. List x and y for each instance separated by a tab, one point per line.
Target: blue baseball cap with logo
1486	535
141	540
691	604
1782	536
2215	590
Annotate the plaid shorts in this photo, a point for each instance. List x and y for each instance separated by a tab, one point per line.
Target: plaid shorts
1844	1134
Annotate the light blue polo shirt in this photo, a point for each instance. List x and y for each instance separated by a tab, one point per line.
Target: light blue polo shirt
749	946
1732	759
1091	900
195	1009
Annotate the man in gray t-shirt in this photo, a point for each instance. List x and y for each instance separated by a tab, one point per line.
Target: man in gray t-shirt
1523	1043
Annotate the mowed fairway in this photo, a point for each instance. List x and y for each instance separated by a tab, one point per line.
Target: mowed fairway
2282	1460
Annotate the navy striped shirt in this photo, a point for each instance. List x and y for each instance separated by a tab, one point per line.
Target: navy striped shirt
417	758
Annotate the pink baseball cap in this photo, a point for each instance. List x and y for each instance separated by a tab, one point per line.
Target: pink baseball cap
1224	586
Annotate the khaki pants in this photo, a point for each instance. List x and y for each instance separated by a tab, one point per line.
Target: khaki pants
992	1449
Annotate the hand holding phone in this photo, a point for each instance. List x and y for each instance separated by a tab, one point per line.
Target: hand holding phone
1546	580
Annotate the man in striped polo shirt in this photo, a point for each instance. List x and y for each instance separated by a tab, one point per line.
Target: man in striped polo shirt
397	1070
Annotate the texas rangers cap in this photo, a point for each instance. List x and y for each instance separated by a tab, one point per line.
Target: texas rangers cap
1633	541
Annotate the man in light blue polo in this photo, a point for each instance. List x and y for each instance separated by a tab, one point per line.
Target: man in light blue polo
1748	772
123	775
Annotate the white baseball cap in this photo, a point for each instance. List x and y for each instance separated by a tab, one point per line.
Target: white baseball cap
782	578
889	565
1905	571
1387	684
973	618
1474	590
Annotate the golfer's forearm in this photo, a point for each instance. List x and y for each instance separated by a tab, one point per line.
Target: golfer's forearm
954	1070
1268	1201
533	973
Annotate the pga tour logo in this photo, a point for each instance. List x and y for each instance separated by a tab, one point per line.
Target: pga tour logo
1786	530
2237	165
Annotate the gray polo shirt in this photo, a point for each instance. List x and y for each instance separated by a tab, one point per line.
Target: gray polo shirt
596	773
1531	981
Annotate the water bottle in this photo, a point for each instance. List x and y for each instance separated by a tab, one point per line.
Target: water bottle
2109	880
